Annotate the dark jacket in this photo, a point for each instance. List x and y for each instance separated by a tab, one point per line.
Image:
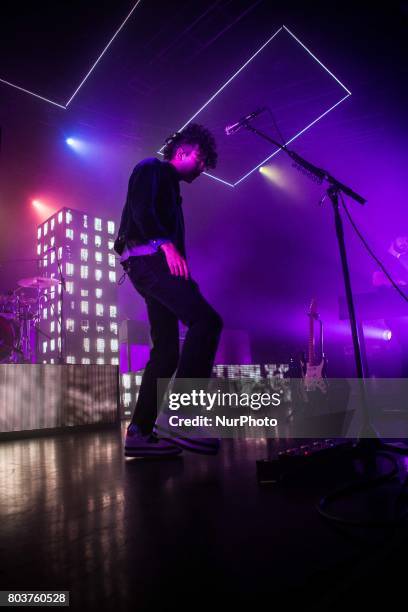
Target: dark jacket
153	205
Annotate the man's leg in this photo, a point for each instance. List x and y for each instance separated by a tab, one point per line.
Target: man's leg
181	298
163	361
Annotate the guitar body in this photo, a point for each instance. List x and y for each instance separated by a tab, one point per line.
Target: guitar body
314	376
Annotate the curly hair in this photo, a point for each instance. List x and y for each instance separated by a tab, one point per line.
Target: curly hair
193	134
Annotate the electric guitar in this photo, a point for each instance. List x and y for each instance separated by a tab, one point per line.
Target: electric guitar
314	378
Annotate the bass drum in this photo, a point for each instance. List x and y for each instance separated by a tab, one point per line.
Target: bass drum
8	335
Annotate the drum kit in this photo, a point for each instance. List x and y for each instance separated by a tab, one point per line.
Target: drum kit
20	316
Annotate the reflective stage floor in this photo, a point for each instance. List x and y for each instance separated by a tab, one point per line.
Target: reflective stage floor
181	533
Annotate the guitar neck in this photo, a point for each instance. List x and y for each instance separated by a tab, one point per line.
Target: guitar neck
312	357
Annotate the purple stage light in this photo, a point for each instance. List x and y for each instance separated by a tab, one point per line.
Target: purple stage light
377	332
68	102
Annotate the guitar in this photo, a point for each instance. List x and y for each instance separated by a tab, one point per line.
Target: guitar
313	370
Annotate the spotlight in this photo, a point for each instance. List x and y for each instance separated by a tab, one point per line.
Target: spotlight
387	334
79	146
37	204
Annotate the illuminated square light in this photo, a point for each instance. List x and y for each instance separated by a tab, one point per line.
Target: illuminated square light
45	313
345	93
84	271
39	232
52	241
39	249
44	346
115	361
70	287
52	223
52	327
98	224
110	244
112	276
114	345
98	256
112	312
111	260
84	292
85	361
69	269
84	238
111	227
84	307
98	240
98	292
100	328
45	228
45	262
60	215
52	360
99	310
126	381
85	325
84	254
59	306
114	327
68	217
127	399
69	233
52	344
85	221
70	325
100	345
52	257
59	253
87	345
98	275
70	359
100	361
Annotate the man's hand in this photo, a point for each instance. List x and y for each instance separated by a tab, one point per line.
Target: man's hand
177	264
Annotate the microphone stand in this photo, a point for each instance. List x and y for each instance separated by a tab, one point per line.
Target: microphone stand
369	438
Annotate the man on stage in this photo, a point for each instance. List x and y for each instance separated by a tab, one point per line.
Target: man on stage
151	244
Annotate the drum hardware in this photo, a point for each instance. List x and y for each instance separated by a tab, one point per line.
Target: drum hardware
38	282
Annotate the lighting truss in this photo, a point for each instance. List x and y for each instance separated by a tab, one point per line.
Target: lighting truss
282	28
87	75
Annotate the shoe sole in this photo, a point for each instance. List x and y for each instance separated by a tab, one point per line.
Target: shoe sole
130	452
188	444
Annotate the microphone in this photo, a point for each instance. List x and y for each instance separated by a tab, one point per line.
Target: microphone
231	129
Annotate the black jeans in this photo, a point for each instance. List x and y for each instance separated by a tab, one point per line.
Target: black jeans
171	299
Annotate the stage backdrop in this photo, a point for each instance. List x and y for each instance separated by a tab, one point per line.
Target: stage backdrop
35	397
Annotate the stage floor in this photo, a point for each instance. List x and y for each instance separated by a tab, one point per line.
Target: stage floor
180	533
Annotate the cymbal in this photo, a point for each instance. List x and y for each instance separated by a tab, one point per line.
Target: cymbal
38	282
